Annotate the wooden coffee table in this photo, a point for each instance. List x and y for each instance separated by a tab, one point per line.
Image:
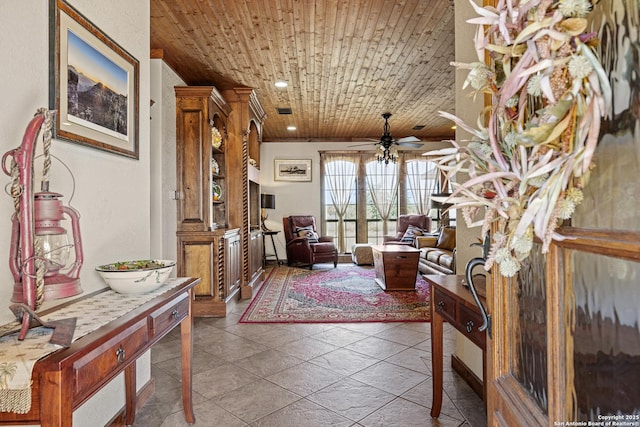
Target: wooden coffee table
396	267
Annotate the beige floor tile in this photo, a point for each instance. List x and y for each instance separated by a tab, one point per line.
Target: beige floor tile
219	322
369	328
267	362
256	400
303	413
201	362
307	348
205	414
339	336
276	337
403	336
235	349
249	330
473	410
390	378
344	362
376	347
352	399
308	328
222	379
403	413
422	394
305	378
424	327
414	359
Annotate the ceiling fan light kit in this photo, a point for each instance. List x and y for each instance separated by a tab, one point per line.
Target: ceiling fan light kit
386	154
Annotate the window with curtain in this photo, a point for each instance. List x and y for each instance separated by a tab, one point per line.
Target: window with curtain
382	187
339	181
362	198
421	183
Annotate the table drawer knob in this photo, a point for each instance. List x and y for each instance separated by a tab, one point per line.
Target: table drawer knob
470	326
441	305
174	313
120	354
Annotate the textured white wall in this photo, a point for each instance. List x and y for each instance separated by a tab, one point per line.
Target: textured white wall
163	160
112	192
467	110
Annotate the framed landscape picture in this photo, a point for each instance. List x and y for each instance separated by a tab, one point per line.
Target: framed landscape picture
292	170
94	84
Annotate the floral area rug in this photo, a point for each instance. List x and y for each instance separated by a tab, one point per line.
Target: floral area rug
344	294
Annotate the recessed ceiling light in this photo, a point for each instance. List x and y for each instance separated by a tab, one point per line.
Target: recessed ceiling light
291	128
281	83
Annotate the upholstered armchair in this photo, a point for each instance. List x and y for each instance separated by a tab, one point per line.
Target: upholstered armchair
420	224
304	246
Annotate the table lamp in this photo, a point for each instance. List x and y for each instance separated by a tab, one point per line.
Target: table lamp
267	201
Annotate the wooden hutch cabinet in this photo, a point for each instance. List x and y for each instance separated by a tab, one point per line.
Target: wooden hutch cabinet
243	152
208	247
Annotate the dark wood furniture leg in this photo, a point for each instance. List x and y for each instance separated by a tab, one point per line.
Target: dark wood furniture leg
186	338
436	359
130	393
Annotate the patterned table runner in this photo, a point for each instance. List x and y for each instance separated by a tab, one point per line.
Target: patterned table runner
17	358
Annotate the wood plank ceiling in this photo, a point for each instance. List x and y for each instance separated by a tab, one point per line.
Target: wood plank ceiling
346	61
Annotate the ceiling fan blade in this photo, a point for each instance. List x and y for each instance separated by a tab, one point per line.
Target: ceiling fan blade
362	145
408	139
410	144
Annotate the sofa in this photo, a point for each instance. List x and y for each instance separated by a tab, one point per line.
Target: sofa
407	228
437	252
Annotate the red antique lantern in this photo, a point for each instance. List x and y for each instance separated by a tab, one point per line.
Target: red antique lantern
40	247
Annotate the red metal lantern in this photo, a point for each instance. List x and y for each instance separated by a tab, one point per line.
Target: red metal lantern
39	244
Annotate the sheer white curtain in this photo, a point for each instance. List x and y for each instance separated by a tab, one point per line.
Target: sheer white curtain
382	182
340	172
421	183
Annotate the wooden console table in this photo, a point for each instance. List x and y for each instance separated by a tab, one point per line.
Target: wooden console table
65	379
451	301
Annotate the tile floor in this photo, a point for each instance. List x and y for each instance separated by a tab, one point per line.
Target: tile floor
311	375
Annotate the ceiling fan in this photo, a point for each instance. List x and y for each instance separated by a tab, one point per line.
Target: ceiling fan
386	152
386	140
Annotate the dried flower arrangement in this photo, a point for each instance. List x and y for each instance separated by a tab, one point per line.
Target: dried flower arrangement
548	91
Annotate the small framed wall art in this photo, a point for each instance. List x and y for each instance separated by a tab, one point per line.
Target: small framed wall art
94	84
292	170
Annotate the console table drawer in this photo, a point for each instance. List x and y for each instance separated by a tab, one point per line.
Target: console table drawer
103	363
470	321
166	318
445	305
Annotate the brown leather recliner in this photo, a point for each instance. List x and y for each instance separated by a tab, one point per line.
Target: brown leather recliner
404	221
302	250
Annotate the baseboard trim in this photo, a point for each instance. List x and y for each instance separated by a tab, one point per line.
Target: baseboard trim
142	397
468	376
